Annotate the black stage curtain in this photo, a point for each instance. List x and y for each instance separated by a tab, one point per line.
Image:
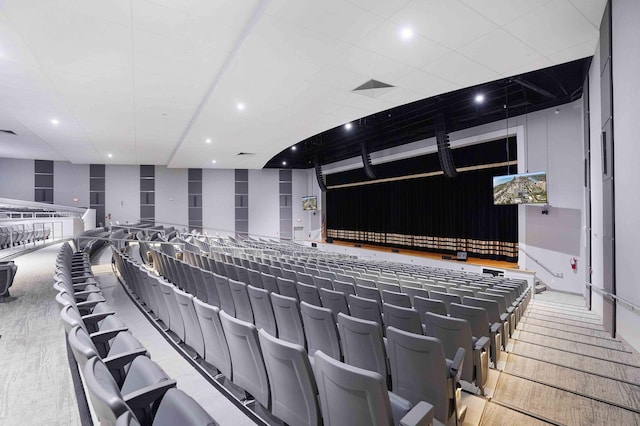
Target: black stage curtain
433	213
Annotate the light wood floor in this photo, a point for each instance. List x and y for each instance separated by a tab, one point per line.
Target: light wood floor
564	369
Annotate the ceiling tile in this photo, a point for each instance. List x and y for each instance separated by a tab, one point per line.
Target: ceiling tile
502	12
461	70
500	51
448	22
591	9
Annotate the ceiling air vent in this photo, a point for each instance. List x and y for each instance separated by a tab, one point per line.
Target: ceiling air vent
246	153
9	132
373	88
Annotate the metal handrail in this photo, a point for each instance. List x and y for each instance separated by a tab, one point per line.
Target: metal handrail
615	297
555	274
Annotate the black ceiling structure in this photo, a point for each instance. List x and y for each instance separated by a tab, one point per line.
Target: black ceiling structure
504	98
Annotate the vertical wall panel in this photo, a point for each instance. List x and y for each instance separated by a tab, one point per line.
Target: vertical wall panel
97	188
147	193
43	181
194	191
242	201
286	211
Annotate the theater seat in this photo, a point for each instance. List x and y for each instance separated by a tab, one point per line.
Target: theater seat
351	396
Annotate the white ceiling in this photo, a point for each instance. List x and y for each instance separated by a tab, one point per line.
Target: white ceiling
148	81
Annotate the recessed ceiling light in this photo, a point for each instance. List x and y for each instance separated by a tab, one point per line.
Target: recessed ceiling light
55	121
240	107
213	161
293	148
557	111
284	163
110	155
348	126
479	98
406	33
208	140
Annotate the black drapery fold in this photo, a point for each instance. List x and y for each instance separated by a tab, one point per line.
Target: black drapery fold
431	213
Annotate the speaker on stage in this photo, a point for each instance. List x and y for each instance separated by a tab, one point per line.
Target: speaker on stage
314	244
329	240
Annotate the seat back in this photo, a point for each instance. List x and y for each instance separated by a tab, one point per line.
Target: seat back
344	287
412	292
423	306
104	392
210	288
254	278
269	282
462	292
241	300
406	319
366	309
476	317
490	307
309	293
362	344
305	278
365	282
289	274
350	395
287	287
248	364
447	298
323	282
395	298
454	333
176	323
215	344
370	293
262	310
387	286
419	371
334	300
287	315
320	330
292	385
193	334
224	293
178	408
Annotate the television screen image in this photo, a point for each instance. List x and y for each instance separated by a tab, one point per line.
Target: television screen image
310	203
526	188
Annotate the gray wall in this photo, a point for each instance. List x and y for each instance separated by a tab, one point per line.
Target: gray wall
172	196
122	194
218	203
17	179
70	181
264	206
626	108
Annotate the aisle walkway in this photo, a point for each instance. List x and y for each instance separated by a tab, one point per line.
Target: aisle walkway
35	380
563	368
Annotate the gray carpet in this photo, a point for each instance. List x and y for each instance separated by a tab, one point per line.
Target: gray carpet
35	382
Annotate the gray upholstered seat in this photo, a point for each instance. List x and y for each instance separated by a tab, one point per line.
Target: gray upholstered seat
263	317
8	271
308	293
412	292
423	306
287	314
406	319
366	309
144	385
269	283
346	287
241	300
291	381
224	293
353	396
507	316
420	372
362	344
216	351
248	364
479	322
323	282
254	278
447	298
176	324
455	333
493	313
334	300
305	278
321	332
193	334
396	298
287	287
370	293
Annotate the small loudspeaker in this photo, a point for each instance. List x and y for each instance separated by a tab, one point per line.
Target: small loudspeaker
445	257
314	244
329	240
357	245
395	251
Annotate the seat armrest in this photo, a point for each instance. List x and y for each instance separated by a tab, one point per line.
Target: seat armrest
94	318
504	317
143	398
456	365
116	362
482	343
106	335
88	304
420	415
496	327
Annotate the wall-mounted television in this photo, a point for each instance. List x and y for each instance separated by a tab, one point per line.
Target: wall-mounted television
525	188
310	202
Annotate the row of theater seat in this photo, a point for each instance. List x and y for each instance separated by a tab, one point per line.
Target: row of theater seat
125	386
18	235
273	369
501	302
254	304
